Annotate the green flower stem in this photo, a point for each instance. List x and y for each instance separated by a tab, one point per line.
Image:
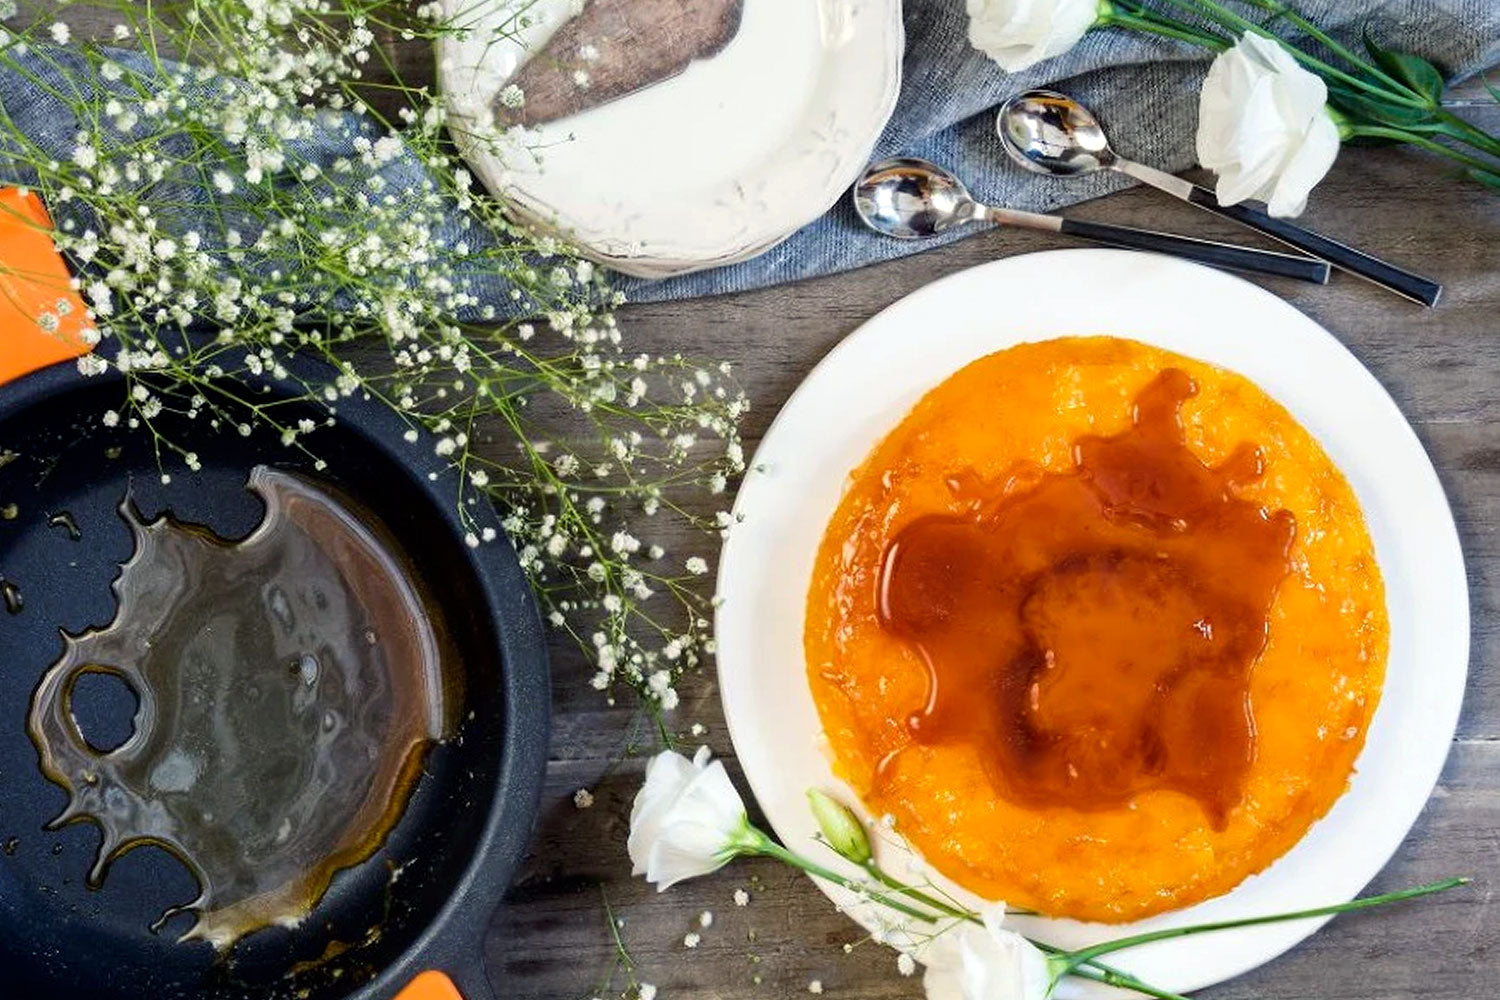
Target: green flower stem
912	892
1290	14
1155	24
1083	955
1457	128
754	843
1489	167
1468	133
1113	977
1229	19
1097	971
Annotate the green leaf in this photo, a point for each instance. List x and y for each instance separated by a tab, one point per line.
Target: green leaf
1491	181
1361	107
1416	73
1494	90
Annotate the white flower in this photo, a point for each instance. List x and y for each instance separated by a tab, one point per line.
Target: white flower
1263	126
687	820
1018	34
985	963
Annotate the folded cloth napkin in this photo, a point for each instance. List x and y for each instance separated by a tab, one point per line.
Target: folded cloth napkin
1144	89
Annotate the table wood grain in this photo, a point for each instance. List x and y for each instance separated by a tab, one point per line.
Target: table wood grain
552	940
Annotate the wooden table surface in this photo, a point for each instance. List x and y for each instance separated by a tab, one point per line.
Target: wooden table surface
552	939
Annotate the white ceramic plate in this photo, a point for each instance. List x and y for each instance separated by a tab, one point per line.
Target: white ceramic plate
863	388
713	166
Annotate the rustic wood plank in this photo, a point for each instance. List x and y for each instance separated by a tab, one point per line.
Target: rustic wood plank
1442	367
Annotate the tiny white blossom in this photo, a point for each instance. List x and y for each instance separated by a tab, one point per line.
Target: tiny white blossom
60	33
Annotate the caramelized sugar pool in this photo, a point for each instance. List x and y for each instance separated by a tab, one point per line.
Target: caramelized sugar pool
289	685
1092	634
1099	627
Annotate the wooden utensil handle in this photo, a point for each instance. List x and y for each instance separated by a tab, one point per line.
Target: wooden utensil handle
1225	255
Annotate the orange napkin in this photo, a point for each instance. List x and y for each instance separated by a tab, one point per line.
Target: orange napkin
34	286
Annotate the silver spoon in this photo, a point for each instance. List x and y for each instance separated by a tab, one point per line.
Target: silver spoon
1050	133
912	199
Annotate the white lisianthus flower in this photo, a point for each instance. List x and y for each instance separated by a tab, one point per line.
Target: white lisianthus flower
1018	34
1264	126
986	963
687	820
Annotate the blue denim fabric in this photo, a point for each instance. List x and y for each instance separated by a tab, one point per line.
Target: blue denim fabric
1144	89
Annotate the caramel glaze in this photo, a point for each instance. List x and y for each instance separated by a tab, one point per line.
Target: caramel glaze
1092	633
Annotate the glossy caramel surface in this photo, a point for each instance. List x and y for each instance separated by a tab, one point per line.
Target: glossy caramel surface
1099	626
289	686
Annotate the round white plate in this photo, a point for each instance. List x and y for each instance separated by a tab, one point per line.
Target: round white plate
863	388
715	165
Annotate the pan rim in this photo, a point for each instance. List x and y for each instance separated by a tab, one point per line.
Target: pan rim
452	941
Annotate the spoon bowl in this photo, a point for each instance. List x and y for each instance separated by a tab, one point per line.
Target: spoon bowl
911	198
1049	133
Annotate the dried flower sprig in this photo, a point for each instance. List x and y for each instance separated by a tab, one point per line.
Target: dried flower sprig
251	201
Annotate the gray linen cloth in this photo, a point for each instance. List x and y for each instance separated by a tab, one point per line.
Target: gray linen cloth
1144	89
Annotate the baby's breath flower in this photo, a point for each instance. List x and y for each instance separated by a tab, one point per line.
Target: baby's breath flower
295	253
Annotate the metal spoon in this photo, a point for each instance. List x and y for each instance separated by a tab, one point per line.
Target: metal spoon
1050	133
912	199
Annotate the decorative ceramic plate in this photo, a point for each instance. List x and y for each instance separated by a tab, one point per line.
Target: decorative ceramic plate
665	169
866	385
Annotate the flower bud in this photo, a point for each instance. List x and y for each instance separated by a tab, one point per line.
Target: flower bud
841	828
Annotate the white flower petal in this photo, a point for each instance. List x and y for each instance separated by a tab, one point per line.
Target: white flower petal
685	819
1018	34
1307	167
666	775
985	963
1263	127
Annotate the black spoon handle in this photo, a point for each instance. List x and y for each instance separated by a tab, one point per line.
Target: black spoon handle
1226	255
1346	258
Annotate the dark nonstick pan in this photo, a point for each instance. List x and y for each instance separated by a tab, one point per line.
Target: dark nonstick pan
467	823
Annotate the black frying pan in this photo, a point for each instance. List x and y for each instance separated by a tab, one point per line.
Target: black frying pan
467	823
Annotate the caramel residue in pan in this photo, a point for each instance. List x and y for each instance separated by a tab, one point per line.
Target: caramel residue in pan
289	687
